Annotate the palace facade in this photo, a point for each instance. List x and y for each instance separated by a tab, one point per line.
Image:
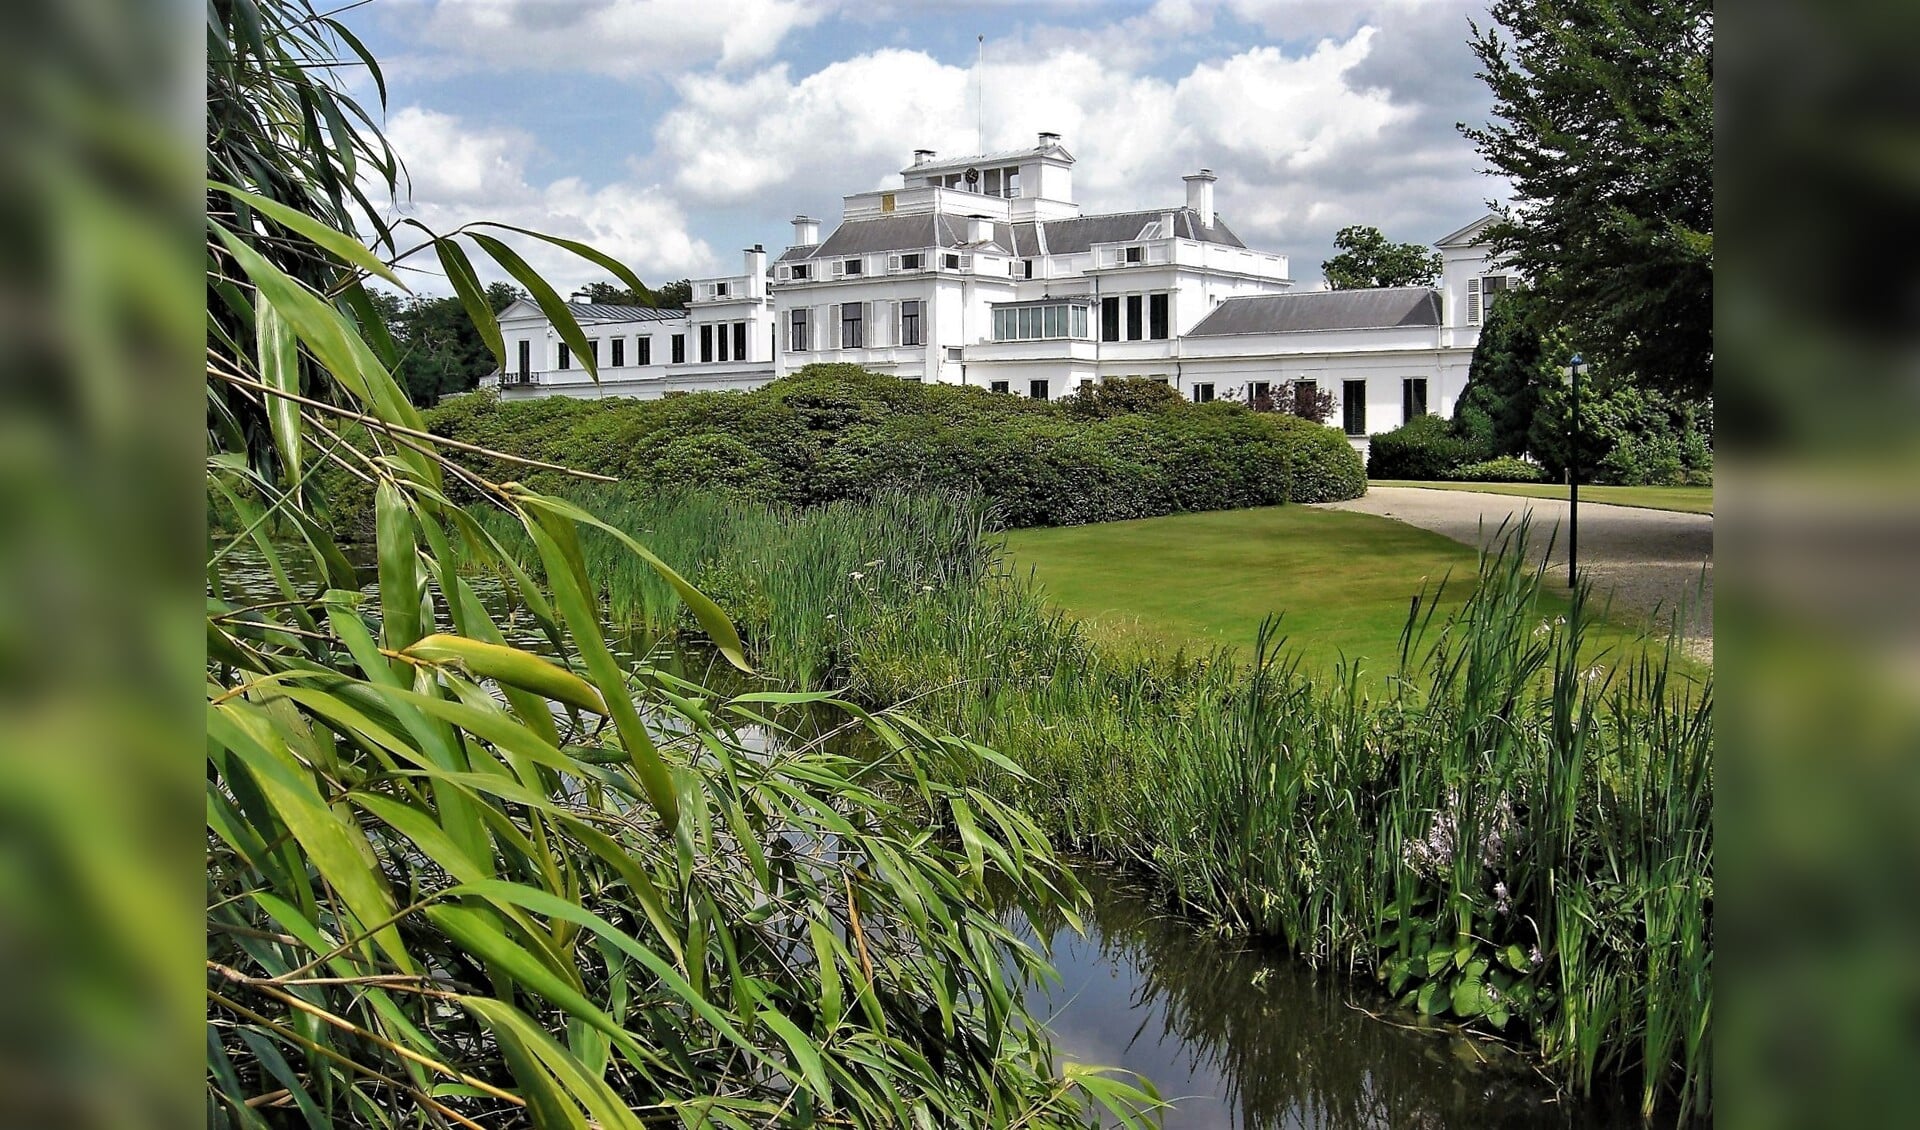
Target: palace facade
984	271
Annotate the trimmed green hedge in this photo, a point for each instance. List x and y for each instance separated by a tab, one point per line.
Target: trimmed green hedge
1424	447
832	432
1505	469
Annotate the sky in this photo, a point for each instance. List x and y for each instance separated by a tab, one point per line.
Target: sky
672	134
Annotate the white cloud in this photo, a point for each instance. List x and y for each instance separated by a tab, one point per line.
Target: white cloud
1315	114
846	125
622	38
1271	124
461	174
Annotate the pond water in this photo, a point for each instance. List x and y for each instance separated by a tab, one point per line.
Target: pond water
1240	1036
1234	1034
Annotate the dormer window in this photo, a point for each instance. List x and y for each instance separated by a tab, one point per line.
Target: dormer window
910	262
719	290
850	267
801	272
953	262
1133	254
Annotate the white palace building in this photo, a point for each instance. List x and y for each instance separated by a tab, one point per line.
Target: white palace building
983	271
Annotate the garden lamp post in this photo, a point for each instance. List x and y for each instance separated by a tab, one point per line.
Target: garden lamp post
1574	365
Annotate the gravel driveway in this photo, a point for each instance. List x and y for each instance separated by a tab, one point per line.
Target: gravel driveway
1649	561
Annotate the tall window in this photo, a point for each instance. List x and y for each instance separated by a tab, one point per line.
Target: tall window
619	352
739	341
1203	394
1157	317
643	351
1135	324
526	360
797	330
1413	398
1353	407
679	349
852	326
910	322
706	342
593	351
1037	390
1259	391
566	356
720	331
1109	319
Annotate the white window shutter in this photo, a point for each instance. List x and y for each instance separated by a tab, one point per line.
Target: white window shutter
1473	302
893	262
833	320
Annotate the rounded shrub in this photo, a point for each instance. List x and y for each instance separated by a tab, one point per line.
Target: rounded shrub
1424	447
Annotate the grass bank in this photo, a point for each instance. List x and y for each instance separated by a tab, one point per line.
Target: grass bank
1505	834
1689	500
1342	582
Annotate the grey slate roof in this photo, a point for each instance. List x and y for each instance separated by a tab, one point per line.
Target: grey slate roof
1382	308
585	312
896	233
1077	236
1063	237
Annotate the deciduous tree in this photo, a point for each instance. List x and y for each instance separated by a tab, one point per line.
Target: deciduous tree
1366	259
1603	121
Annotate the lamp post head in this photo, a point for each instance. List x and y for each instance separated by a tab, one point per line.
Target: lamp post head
1575	362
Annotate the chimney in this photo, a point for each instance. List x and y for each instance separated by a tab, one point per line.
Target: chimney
1166	225
806	231
1200	196
756	264
922	156
1048	138
979	229
580	297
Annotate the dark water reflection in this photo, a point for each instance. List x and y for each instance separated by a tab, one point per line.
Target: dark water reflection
1247	1038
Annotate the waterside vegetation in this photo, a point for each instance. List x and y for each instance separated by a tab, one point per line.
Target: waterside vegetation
1507	833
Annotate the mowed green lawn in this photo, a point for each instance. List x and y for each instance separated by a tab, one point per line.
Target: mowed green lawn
1343	581
1692	500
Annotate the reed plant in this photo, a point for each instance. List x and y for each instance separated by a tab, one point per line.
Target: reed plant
1512	830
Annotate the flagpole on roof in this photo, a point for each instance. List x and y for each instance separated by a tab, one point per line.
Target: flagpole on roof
980	90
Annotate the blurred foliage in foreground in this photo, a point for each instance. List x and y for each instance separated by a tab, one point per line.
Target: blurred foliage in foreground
454	879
